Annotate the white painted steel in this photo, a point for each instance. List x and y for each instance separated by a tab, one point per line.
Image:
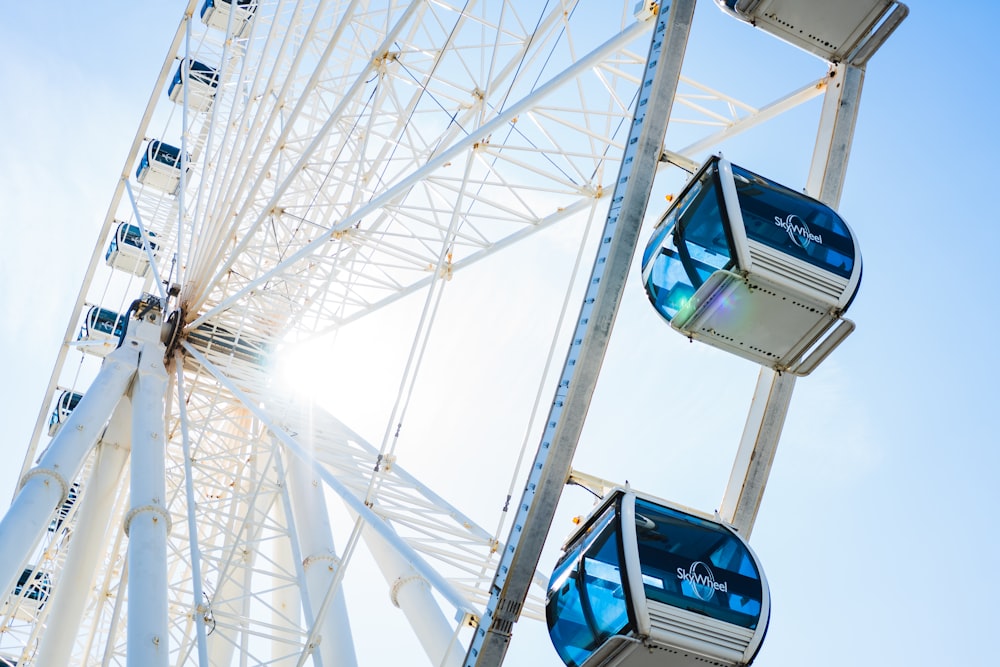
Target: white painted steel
394	195
743	117
46	485
319	558
148	521
411	593
90	532
773	394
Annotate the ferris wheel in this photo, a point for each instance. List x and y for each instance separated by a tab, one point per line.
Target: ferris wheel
305	167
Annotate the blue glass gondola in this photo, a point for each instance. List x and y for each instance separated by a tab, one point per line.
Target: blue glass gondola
754	268
642	583
202	82
102	329
834	31
127	252
65	405
160	167
215	14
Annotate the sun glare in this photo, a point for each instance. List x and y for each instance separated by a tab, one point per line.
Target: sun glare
303	369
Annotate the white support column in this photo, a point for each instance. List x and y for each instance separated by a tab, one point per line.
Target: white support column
320	562
46	485
89	541
773	394
412	594
147	522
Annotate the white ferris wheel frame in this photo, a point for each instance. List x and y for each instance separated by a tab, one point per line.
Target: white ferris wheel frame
334	254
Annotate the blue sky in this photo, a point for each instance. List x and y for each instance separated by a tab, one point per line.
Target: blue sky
878	531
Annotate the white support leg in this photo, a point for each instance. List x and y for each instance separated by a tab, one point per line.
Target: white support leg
46	485
89	540
412	594
148	522
320	562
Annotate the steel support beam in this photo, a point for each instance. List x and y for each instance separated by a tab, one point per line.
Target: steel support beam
85	549
320	562
46	485
773	394
551	467
411	593
148	522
